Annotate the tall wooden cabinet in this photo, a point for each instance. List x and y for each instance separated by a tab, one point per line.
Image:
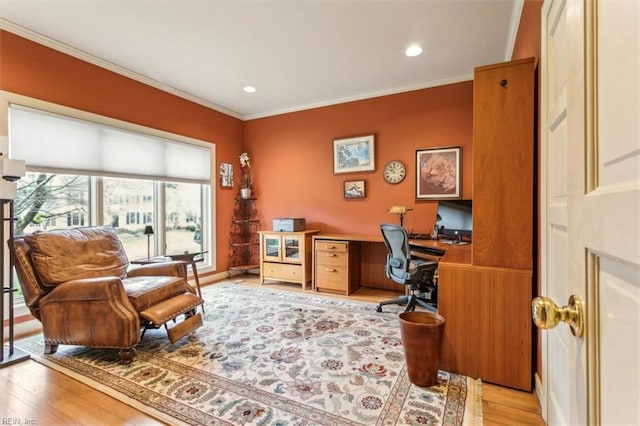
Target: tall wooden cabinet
503	161
487	305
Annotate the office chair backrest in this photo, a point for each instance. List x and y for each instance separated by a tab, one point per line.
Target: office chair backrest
399	256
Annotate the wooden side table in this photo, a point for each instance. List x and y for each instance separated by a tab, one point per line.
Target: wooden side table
187	259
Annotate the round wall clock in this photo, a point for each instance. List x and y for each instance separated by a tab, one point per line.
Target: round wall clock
394	171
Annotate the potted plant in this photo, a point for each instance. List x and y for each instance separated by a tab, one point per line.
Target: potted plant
246	179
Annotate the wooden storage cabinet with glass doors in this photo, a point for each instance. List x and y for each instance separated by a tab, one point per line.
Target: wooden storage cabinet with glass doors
286	256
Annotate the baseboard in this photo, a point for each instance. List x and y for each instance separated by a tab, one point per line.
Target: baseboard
542	396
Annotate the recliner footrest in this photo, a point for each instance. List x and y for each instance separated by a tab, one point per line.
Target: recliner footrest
171	308
187	326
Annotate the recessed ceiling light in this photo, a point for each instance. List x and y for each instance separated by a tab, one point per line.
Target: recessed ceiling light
249	89
413	50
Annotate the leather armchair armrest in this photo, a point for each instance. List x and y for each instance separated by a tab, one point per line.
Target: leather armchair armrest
88	289
171	269
91	312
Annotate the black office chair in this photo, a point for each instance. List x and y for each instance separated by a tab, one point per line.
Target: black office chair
417	274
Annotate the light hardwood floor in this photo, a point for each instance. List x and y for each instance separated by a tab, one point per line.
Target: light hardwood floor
31	393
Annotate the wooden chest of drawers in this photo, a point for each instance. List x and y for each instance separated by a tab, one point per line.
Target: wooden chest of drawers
283	272
335	266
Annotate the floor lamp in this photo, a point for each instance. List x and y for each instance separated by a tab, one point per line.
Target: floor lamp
11	171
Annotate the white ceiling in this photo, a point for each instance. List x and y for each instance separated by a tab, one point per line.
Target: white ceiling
298	54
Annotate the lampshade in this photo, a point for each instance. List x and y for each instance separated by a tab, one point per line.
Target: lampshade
398	209
7	190
148	230
12	170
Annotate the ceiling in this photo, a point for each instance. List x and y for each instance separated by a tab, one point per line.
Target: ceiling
297	54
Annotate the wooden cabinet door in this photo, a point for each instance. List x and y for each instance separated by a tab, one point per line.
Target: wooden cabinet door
271	248
292	248
503	160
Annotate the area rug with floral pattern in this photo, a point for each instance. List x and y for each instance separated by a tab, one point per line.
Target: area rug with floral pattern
273	357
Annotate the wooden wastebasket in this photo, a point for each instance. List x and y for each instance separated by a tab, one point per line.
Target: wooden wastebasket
421	334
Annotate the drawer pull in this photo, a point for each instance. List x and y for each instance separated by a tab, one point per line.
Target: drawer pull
331	255
331	247
331	270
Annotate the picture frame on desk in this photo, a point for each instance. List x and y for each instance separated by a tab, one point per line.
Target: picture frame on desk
438	173
354	189
355	154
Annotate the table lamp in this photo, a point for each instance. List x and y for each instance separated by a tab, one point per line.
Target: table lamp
400	211
148	231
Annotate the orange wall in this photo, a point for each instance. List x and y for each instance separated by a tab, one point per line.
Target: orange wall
528	38
292	158
33	70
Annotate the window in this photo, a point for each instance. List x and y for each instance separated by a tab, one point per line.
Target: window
125	206
162	180
42	198
46	200
184	208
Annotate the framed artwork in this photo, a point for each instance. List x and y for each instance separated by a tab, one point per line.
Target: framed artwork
354	154
354	189
226	175
438	173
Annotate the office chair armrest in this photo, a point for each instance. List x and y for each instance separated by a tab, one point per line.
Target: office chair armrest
395	262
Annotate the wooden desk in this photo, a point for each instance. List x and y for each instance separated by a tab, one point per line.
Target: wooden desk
362	263
488	331
453	253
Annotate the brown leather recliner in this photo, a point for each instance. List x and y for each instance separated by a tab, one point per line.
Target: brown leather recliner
75	281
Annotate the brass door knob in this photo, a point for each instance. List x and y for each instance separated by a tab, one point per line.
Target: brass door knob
547	314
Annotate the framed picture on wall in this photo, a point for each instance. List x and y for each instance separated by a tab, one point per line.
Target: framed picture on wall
438	173
354	154
226	175
354	189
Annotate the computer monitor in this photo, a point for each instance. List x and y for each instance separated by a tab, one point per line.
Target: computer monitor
455	216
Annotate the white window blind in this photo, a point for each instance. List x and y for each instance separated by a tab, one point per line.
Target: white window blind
57	142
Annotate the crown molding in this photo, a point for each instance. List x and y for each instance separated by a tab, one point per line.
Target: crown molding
84	56
363	96
515	24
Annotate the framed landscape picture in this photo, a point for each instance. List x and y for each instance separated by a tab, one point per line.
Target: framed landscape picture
438	173
354	154
354	189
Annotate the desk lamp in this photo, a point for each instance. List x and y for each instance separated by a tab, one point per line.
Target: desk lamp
400	211
148	231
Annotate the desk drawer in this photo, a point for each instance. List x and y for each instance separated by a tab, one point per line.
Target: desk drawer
282	271
336	246
331	278
331	258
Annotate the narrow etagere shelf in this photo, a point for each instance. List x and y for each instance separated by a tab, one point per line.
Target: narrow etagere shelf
244	240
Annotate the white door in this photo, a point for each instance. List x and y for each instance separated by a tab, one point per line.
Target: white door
590	209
